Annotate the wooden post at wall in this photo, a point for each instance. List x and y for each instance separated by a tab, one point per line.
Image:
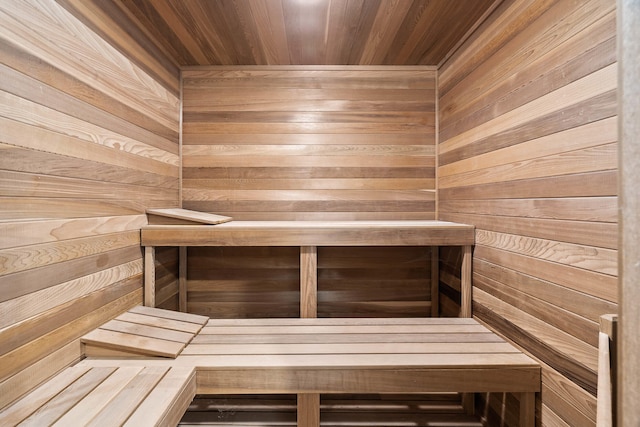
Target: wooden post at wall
150	276
629	219
465	283
308	403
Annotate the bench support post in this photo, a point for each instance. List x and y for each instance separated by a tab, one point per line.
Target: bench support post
149	276
309	403
182	278
468	399
435	282
308	281
309	410
527	409
465	282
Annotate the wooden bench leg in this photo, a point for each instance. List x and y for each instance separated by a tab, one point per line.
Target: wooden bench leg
469	403
465	283
309	410
182	278
527	409
308	281
435	281
150	276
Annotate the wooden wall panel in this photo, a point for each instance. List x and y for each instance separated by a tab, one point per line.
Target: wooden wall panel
374	282
310	142
244	282
528	153
88	141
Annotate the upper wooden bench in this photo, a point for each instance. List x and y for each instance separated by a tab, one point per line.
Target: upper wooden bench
308	235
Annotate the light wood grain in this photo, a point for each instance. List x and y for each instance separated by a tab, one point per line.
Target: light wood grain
89	136
315	123
189	216
333	233
168	400
531	73
33	351
118	409
69	50
20	308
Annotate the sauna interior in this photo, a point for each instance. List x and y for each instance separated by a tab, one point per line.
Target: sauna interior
501	114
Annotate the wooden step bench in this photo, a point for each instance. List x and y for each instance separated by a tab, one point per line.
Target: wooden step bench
107	396
118	394
312	356
144	331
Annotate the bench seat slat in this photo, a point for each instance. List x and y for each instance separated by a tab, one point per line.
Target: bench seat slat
131	343
320	330
168	400
323	321
359	361
119	409
91	404
169	314
55	408
29	403
147	331
349	348
346	338
160	322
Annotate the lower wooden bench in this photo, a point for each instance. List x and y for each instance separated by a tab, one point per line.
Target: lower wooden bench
312	356
107	396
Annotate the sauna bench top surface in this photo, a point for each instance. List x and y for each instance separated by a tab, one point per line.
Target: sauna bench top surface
350	355
311	233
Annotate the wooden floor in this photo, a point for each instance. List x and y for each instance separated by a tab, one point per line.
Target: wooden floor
336	410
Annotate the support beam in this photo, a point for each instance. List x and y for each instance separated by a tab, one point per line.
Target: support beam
309	403
182	278
435	281
309	410
308	281
465	282
527	409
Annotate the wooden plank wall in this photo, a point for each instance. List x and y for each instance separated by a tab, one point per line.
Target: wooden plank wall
309	142
527	153
304	143
88	140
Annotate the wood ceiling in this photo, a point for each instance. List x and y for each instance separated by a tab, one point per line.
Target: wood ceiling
306	32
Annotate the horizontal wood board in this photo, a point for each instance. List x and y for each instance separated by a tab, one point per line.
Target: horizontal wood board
528	154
